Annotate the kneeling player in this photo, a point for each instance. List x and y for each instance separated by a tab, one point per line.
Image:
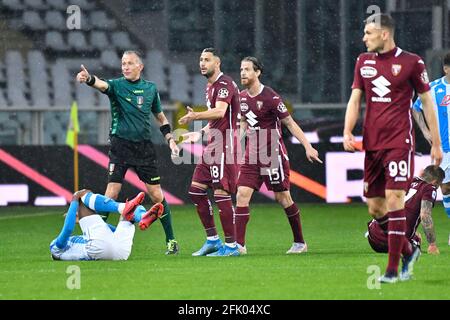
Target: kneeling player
418	205
101	241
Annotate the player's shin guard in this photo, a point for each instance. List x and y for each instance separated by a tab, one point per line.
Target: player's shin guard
446	202
226	212
293	215
242	217
204	209
396	236
166	221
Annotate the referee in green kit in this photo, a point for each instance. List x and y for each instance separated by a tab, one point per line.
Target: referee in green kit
132	100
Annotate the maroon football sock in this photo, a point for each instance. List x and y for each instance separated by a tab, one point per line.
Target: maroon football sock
242	217
204	209
383	222
293	215
407	248
396	235
226	212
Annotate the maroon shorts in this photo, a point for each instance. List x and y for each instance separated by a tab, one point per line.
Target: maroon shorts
275	178
387	169
378	239
221	176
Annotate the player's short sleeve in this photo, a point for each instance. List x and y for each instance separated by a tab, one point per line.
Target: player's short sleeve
419	77
112	87
417	106
225	91
358	82
429	194
156	104
281	111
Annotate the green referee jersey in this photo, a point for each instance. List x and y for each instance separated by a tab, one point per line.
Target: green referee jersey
132	105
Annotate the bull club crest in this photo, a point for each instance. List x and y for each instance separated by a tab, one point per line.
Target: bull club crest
140	101
396	68
259	104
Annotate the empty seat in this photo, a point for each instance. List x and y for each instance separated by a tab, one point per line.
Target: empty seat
58	4
154	69
15	74
198	89
61	85
15	5
55	41
77	41
179	79
84	4
121	40
36	4
98	40
37	66
55	20
32	20
100	20
109	59
85	96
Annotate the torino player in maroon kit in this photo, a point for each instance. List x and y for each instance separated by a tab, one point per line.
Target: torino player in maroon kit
266	160
418	206
388	76
218	168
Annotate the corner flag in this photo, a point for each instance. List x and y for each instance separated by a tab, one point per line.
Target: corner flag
73	128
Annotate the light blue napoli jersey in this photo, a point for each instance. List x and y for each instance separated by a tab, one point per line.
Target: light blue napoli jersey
440	90
74	250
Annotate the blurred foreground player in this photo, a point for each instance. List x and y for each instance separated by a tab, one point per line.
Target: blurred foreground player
419	204
101	241
388	76
266	161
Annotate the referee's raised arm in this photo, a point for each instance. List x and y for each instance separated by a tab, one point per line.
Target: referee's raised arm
91	80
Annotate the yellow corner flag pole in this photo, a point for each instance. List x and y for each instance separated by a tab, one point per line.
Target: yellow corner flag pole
72	141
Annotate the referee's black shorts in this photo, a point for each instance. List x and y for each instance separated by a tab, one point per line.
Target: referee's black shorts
125	154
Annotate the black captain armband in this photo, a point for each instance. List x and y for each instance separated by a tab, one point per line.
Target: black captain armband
90	81
165	129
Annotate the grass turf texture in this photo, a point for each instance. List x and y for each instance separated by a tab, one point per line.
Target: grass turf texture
335	266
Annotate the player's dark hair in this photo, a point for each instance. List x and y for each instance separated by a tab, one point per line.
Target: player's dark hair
211	50
257	65
137	53
447	59
433	172
385	20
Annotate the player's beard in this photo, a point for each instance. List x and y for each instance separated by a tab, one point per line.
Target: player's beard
209	73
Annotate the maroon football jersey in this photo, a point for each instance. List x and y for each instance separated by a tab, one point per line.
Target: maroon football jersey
263	113
224	89
419	190
389	81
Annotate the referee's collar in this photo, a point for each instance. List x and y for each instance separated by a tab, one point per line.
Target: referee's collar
135	81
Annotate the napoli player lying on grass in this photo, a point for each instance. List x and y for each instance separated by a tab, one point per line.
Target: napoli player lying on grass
101	241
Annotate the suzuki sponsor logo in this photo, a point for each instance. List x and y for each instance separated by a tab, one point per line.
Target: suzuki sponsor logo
251	118
381	88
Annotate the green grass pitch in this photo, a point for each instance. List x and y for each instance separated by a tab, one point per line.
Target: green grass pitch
335	267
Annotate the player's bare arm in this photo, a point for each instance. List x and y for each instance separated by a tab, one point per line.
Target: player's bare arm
428	226
85	77
430	117
351	117
195	136
297	132
420	120
212	114
162	121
